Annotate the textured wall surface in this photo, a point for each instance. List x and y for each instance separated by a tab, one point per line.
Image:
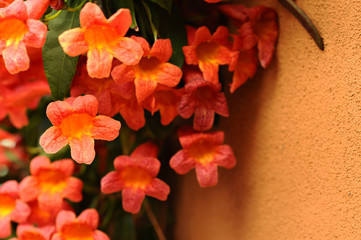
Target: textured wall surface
296	132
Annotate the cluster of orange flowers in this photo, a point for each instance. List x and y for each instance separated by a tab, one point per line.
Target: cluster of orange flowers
119	74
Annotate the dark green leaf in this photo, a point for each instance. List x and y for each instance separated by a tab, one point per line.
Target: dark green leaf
59	67
171	26
306	22
117	4
165	4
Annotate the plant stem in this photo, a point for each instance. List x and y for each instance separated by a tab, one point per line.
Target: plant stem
153	220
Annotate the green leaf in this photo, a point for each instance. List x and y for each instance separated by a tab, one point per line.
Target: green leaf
59	67
306	22
171	26
165	4
117	4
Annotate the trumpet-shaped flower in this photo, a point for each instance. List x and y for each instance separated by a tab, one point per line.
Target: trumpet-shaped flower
16	32
203	99
153	69
83	227
75	123
165	100
50	183
208	51
244	64
257	26
135	176
204	152
102	39
29	232
11	207
22	91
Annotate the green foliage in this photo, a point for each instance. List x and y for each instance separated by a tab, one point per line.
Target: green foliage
59	67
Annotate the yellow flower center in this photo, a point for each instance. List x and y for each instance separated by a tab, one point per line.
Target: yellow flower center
51	181
148	67
202	151
31	235
7	205
100	36
135	177
77	231
12	31
207	51
76	125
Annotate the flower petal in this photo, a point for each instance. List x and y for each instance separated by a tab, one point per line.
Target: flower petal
28	189
181	162
202	35
5	227
66	166
169	75
91	15
207	175
162	49
10	187
132	199
51	202
225	157
73	42
53	140
38	163
99	235
35	37
16	58
210	71
111	183
128	51
90	217
58	111
73	189
36	8
148	149
64	217
99	63
21	212
86	104
158	189
122	161
121	21
105	128
144	88
203	119
17	9
18	117
82	150
123	73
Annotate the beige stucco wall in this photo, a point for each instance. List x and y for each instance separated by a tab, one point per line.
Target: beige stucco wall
296	132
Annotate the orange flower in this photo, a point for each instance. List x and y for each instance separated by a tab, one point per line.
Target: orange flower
42	217
135	176
50	183
11	207
257	25
113	97
102	39
17	32
203	99
204	152
75	123
23	90
208	51
153	69
244	64
29	232
83	227
165	100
